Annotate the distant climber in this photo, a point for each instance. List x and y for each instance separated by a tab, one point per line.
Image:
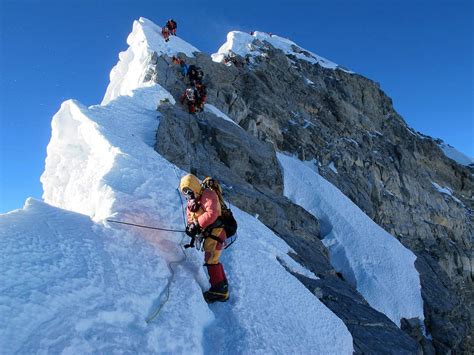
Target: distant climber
195	74
165	32
189	99
228	59
232	58
183	67
201	96
172	26
204	209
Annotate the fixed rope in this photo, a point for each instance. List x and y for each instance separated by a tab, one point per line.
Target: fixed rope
147	227
155	314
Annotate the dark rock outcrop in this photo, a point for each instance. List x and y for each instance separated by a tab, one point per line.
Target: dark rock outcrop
251	177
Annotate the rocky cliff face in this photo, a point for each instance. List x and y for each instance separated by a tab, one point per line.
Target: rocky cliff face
250	174
348	125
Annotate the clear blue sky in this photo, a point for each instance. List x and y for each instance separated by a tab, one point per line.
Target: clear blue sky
420	51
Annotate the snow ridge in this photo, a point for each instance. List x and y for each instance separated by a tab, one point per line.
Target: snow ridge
140	187
130	71
244	44
90	146
69	285
97	282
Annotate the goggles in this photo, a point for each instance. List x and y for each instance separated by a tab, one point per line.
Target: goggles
188	192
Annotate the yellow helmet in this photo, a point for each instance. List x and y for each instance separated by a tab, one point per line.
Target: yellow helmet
192	182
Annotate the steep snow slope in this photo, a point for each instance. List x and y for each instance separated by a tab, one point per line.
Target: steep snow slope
69	285
243	44
95	155
371	259
94	283
141	187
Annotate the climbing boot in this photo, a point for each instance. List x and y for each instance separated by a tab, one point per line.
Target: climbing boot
219	292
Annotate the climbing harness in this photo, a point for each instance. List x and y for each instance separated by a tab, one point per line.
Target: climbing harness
196	242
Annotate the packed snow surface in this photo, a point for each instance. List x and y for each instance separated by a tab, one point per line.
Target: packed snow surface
374	261
73	283
456	155
70	285
244	44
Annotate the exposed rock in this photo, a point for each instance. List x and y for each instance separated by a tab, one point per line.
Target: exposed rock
446	315
348	124
372	332
251	177
412	328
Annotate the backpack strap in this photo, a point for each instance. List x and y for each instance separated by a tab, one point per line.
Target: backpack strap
213	184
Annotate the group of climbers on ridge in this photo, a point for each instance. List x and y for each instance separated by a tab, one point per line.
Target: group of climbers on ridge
208	219
195	95
169	29
183	67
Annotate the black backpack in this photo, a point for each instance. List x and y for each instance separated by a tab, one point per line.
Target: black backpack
226	220
199	74
230	224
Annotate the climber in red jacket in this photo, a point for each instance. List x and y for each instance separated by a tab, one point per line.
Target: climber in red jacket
203	211
165	33
201	96
172	26
189	99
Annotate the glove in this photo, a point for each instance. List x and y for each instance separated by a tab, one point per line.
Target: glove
193	229
193	205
